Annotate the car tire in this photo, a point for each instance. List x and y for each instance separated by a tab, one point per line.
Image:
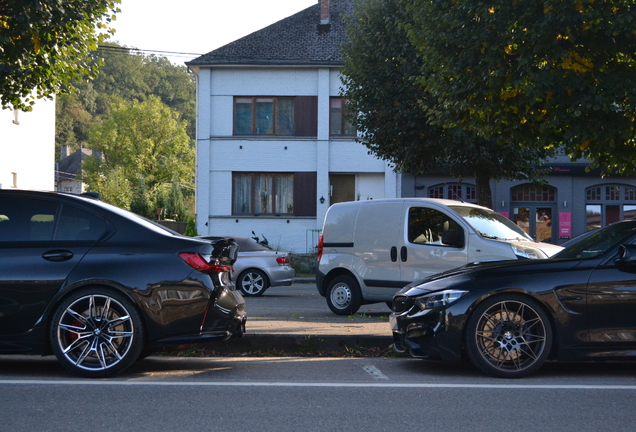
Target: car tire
96	333
253	282
508	336
344	296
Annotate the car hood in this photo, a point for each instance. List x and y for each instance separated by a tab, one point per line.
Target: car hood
484	270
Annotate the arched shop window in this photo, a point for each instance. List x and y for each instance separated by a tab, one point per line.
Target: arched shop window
454	191
606	204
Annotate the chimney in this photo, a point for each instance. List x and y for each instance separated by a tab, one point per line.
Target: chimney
63	152
324	12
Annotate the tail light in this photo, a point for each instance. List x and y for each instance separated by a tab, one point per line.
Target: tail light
283	260
321	241
197	262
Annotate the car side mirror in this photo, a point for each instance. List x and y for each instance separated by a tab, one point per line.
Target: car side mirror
453	238
626	260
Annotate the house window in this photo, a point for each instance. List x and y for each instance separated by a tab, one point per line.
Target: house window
259	193
457	191
339	124
263	116
608	204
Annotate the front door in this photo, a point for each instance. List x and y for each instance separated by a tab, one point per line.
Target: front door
538	221
343	188
423	252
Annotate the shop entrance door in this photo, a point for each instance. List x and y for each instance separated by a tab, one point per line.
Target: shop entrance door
539	221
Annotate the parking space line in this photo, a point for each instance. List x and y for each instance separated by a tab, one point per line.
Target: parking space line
375	373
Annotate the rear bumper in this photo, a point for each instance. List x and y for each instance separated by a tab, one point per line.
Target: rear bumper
281	276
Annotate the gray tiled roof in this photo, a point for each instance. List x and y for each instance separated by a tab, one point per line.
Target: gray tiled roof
69	167
295	40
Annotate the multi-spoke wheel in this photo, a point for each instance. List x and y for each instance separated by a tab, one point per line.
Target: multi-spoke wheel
344	296
253	282
96	333
508	336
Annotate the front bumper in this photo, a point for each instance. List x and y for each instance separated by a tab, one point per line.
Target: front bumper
425	336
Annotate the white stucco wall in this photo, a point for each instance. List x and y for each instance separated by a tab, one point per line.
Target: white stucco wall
219	153
27	149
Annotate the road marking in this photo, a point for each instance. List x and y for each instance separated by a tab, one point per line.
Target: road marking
106	382
375	373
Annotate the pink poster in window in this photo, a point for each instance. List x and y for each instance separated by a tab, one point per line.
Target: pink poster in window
565	225
506	214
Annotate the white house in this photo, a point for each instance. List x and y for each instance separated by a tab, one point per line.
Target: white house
27	147
273	148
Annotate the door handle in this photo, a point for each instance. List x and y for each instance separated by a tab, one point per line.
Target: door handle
394	254
403	254
57	255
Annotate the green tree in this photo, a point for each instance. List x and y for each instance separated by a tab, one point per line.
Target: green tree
45	45
380	80
146	143
142	203
542	73
125	75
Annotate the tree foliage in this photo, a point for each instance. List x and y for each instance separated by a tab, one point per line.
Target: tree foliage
144	143
381	80
126	75
542	73
46	44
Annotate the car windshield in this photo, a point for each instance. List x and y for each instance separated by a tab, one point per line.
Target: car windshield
599	242
490	224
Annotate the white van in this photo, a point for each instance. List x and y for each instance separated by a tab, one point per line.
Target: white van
368	250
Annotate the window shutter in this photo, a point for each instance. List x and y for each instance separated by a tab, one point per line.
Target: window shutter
305	184
306	116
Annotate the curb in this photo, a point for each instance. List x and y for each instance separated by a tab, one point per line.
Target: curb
300	343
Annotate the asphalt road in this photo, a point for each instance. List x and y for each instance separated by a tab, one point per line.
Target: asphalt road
313	394
262	394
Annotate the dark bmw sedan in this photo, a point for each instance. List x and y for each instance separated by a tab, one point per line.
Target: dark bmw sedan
509	317
101	287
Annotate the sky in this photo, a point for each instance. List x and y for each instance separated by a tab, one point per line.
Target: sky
196	26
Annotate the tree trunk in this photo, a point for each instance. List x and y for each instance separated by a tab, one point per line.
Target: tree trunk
484	194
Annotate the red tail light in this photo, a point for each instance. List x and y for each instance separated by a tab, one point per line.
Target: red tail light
197	262
321	241
283	260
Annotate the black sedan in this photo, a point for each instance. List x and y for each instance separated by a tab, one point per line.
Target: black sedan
101	287
509	317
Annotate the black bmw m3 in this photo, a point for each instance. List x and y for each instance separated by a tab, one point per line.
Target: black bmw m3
101	287
509	317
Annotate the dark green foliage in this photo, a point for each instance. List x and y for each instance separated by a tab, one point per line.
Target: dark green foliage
545	74
381	79
191	229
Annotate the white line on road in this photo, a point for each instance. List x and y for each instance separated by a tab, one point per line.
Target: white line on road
88	382
375	373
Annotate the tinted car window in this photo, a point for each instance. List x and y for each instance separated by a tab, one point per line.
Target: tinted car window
76	224
27	219
598	242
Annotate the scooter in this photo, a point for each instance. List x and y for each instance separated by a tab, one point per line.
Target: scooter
264	242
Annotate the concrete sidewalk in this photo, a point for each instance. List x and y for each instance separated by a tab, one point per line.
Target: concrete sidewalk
297	319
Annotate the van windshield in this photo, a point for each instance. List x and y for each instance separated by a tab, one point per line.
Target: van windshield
491	225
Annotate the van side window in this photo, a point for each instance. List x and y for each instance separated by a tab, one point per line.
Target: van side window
427	227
